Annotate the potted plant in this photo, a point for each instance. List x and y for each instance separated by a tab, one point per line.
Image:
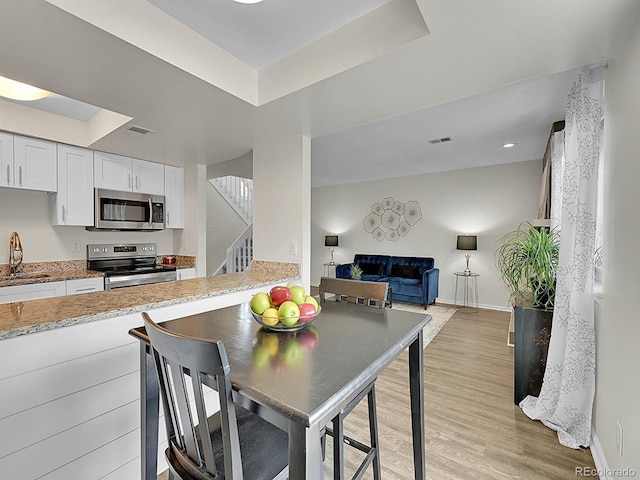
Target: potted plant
355	271
527	260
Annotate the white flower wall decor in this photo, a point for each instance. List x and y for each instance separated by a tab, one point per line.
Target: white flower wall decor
391	219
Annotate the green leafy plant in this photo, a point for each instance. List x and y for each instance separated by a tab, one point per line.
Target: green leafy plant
355	271
527	260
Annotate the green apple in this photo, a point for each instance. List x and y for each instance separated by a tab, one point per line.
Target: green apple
260	302
311	300
289	313
296	282
298	294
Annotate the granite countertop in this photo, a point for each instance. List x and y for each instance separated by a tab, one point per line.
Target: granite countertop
29	278
22	318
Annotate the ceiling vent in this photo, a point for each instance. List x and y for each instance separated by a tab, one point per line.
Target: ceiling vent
136	131
435	141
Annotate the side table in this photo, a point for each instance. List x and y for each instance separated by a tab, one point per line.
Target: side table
329	270
470	295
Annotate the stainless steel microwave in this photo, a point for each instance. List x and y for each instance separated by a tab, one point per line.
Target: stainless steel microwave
115	210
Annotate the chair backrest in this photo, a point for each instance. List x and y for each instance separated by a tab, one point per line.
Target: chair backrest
354	291
177	358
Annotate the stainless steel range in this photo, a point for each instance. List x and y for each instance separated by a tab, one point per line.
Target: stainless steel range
128	265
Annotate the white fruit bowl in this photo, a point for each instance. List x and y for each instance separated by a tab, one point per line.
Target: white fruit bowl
303	322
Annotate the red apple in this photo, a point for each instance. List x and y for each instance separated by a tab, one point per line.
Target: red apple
279	295
307	312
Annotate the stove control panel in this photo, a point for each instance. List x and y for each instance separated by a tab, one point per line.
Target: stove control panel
120	250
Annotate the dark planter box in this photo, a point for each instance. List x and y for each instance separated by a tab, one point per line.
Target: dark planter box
532	335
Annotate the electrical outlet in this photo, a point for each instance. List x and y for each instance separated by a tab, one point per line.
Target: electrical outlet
293	248
75	246
619	437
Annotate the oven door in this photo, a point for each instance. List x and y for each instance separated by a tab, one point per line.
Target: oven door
115	210
135	279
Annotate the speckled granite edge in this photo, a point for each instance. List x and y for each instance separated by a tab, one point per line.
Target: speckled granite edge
116	303
33	267
282	268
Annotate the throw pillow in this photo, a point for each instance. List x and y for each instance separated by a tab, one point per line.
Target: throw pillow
371	268
405	271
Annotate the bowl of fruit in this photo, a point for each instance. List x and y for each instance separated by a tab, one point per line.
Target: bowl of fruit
284	309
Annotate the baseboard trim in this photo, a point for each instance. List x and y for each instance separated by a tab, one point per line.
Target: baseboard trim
598	457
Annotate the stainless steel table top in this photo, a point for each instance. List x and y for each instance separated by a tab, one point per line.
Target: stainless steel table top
346	347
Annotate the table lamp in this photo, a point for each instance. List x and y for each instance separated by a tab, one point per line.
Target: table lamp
331	241
467	242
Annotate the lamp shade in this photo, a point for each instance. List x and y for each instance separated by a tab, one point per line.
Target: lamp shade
331	240
467	242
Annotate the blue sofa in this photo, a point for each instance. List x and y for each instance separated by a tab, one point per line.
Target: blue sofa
412	279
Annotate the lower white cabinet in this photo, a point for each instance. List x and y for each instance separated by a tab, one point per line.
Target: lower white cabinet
186	273
19	293
85	285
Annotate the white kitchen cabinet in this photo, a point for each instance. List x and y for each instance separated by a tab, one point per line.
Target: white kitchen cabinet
148	177
127	174
28	163
186	273
85	285
74	202
174	196
112	171
6	160
19	293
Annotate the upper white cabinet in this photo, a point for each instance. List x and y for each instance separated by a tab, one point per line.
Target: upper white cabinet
74	202
112	171
28	163
174	196
148	177
116	172
6	159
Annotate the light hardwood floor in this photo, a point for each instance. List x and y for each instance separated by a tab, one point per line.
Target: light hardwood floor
473	430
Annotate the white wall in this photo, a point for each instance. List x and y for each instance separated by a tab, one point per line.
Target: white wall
617	324
281	202
28	214
488	202
224	225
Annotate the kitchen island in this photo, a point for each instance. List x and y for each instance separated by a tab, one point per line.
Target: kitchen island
69	372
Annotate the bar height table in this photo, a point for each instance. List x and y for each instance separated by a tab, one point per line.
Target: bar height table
354	345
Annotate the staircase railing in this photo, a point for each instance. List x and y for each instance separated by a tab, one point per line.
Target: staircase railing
240	254
238	192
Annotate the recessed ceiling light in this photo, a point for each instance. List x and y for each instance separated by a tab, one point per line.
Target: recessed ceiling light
21	91
247	1
509	145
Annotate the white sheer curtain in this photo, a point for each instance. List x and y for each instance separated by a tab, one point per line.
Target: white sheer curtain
566	397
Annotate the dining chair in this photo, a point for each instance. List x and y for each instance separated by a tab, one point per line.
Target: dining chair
373	294
233	443
369	295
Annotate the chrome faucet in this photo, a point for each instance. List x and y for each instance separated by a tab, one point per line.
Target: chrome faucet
15	253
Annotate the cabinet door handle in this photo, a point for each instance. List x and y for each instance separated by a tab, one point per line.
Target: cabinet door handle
20	174
168	222
8	174
63	219
129	180
137	183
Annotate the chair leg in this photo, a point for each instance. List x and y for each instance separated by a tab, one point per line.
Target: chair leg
373	431
338	447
